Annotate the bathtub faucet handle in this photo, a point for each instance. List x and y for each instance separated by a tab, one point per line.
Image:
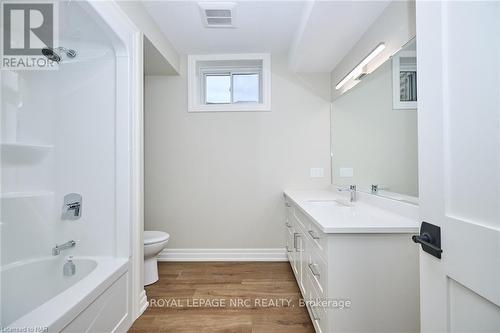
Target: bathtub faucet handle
72	208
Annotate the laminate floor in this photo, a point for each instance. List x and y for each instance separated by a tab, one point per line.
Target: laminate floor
239	297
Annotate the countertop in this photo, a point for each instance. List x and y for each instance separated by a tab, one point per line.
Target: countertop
363	216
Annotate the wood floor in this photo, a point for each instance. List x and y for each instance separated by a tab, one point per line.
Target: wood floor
237	297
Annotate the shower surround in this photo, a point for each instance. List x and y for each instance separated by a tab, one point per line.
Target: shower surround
73	132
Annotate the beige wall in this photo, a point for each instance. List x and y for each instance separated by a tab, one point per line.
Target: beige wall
379	143
215	180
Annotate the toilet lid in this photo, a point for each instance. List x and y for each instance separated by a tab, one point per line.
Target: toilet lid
151	237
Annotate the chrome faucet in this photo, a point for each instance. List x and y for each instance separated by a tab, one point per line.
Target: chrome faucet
376	188
352	191
58	248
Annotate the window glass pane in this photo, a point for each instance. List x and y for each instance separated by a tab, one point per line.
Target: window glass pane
217	89
407	86
246	88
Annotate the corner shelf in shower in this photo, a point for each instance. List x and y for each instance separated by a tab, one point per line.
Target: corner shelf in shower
21	195
23	153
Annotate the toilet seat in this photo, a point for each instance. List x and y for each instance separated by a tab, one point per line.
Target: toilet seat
153	237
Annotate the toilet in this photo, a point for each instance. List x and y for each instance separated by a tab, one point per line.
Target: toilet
154	243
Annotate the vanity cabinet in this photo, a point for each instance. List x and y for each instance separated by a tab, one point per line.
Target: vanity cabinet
355	281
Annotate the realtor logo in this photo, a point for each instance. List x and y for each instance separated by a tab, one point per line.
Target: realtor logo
27	29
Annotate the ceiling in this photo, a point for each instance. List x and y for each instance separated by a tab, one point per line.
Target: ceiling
329	30
315	35
260	26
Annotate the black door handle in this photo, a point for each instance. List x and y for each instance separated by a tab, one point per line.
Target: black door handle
430	239
425	240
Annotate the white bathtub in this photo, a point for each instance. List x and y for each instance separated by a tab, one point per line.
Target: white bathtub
35	294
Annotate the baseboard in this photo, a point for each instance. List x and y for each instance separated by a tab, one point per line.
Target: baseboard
143	302
273	254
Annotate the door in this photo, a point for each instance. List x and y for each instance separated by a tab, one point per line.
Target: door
458	60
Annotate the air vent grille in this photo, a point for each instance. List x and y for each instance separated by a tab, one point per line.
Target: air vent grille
219	21
217	14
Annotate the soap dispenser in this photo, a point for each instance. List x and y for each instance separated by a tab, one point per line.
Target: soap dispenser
69	268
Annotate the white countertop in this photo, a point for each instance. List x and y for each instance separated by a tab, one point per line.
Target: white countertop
361	217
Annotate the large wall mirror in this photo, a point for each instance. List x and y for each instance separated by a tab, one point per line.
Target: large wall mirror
374	130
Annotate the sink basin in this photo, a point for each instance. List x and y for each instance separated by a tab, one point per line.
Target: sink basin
330	203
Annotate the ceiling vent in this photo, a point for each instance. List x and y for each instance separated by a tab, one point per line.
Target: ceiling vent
217	14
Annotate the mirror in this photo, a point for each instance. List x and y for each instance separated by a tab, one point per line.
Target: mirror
404	77
374	130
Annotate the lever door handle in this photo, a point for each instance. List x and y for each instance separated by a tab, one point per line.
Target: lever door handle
425	240
430	239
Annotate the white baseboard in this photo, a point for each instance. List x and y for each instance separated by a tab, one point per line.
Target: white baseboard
143	305
273	254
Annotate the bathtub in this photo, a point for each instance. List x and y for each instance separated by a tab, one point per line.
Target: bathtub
37	296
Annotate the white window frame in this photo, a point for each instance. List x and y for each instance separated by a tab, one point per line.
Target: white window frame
196	84
397	104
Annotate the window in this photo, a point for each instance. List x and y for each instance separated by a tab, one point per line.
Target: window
226	88
404	77
217	88
246	88
229	83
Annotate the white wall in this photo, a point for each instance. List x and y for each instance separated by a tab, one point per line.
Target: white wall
379	143
395	27
160	55
215	180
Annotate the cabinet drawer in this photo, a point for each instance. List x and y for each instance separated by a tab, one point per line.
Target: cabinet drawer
316	311
301	218
317	271
318	239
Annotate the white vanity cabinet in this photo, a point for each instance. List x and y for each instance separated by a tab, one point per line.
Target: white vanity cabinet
373	273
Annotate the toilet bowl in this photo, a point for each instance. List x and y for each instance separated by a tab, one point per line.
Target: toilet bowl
154	243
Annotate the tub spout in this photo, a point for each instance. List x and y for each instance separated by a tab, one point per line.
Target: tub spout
58	248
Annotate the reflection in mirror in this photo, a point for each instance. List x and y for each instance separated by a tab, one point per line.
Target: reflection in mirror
374	130
404	77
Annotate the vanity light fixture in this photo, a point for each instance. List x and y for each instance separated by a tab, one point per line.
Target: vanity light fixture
358	70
